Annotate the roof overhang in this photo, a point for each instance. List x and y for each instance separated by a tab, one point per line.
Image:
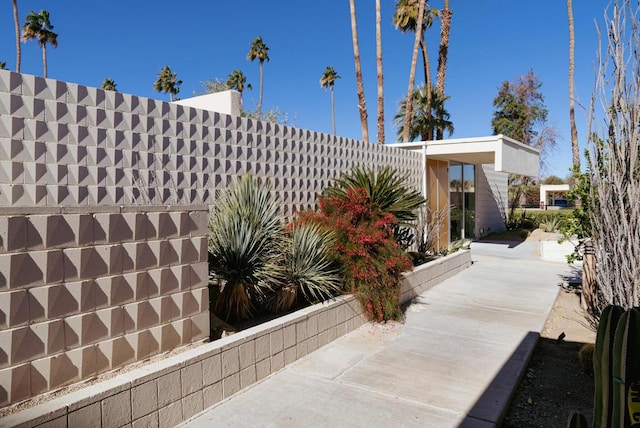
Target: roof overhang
506	154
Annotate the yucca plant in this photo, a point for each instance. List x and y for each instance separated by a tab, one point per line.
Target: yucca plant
386	188
309	269
245	246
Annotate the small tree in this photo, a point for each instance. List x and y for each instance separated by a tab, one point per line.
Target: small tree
3	65
520	113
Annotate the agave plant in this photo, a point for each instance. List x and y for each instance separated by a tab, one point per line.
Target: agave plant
309	269
387	189
245	246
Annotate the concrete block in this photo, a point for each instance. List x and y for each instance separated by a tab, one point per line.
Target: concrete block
190	303
212	394
302	349
85	360
198	223
200	326
118	227
116	410
263	369
13	233
212	369
312	343
192	378
116	352
149	421
248	377
169	389
167	336
52	302
262	347
192	405
198	275
190	250
289	333
323	339
230	362
53	372
15	384
85	329
231	385
117	289
144	399
164	224
86	263
142	314
322	321
312	325
51	333
14	308
20	344
23	269
169	252
290	355
86	416
247	353
276	339
171	415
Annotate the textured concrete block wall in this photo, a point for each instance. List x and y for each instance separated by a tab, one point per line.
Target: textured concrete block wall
63	144
84	291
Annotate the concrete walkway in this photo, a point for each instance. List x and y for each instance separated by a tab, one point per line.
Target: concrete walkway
454	362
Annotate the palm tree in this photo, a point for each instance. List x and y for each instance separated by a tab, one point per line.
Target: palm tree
328	80
38	26
380	75
362	105
109	85
574	132
405	19
412	74
236	80
167	82
424	123
260	50
443	52
16	23
386	188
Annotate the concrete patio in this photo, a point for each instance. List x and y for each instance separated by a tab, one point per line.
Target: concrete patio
454	362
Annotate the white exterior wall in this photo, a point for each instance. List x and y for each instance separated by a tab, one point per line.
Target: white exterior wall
491	199
227	102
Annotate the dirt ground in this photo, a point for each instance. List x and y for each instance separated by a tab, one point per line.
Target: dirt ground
554	383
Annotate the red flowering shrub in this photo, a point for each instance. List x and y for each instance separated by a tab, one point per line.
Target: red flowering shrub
370	259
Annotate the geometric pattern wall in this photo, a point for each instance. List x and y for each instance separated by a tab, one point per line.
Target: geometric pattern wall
84	291
63	144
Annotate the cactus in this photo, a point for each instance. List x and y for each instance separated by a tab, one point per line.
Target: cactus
603	367
577	420
585	356
626	370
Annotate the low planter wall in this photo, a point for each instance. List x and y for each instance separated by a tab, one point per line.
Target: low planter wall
170	391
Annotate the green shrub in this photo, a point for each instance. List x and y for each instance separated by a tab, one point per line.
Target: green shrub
245	246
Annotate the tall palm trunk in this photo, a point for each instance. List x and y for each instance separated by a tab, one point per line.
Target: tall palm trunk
380	75
362	105
260	97
16	22
333	112
44	59
442	56
574	132
427	81
412	74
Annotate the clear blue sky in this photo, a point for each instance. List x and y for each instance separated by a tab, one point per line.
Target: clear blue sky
491	41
